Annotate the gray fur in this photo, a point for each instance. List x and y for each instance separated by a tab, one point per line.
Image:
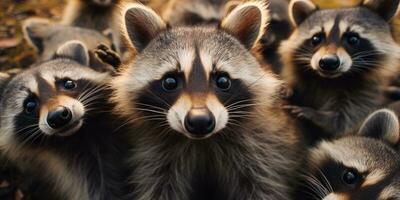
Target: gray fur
48	37
251	159
332	106
374	156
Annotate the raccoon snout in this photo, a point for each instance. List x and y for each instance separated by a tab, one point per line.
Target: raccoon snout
329	63
199	122
59	117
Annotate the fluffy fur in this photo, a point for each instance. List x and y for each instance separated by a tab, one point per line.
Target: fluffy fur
330	103
251	152
362	166
46	37
79	160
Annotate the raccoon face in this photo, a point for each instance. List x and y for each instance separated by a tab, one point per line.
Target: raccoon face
338	42
45	37
52	98
194	81
364	166
196	12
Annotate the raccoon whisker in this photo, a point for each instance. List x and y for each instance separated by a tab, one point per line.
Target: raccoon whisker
151	106
86	92
32	133
238	102
131	120
25	128
150	110
316	187
323	191
328	184
367	52
92	91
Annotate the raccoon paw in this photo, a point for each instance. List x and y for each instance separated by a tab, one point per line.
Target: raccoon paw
300	112
108	56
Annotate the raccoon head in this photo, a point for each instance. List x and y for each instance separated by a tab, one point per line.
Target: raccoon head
195	12
46	37
362	166
52	98
336	42
193	81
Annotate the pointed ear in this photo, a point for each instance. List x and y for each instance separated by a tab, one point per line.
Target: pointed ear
141	25
74	50
382	124
247	22
6	76
35	30
299	10
387	9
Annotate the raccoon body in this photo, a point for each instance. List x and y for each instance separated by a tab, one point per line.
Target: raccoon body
46	37
204	113
56	128
362	166
336	65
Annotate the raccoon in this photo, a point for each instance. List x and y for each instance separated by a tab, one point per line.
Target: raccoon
46	37
203	113
56	126
195	12
361	166
337	62
279	29
210	12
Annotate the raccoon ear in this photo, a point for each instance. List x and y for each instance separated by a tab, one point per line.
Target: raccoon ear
387	9
35	30
230	5
247	22
141	25
74	50
299	10
382	124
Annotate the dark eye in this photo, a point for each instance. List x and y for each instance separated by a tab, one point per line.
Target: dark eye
353	39
223	82
350	177
30	105
69	84
169	83
317	39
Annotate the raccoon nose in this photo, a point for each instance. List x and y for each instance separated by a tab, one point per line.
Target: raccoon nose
199	122
59	117
329	63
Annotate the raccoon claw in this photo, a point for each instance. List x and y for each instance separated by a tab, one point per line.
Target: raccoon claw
298	111
108	56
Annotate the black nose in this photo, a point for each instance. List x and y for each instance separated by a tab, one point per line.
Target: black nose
329	63
199	122
59	117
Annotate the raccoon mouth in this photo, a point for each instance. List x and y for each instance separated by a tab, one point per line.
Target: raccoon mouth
70	129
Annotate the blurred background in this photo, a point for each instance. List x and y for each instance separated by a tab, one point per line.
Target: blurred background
14	52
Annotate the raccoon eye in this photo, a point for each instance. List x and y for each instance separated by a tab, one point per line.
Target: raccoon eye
350	177
30	105
170	83
317	39
353	39
224	82
69	84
